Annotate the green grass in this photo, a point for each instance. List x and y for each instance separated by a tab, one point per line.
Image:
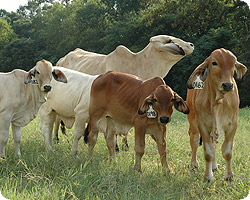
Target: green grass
42	175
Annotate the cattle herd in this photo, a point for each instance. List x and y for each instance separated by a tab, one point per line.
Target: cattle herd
115	92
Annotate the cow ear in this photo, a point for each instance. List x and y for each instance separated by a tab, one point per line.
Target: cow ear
144	106
180	104
59	76
30	77
240	69
201	70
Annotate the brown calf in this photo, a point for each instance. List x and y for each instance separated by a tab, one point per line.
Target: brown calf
123	100
214	109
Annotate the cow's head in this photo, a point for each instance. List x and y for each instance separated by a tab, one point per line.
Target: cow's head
162	100
42	74
220	67
172	47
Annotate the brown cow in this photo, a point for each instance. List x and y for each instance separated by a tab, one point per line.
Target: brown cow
214	109
123	100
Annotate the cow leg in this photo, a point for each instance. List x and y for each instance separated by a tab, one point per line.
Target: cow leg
227	152
80	121
92	138
163	154
124	142
139	146
4	136
56	128
46	126
110	137
209	152
194	142
16	131
116	145
214	164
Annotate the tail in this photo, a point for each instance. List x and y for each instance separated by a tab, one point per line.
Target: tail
63	129
86	134
200	140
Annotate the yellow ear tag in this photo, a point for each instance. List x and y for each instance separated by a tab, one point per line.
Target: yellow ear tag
151	113
198	83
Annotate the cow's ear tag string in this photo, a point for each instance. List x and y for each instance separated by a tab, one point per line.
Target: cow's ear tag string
198	83
151	113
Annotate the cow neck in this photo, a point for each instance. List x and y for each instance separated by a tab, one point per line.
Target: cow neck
215	96
37	98
160	65
216	100
148	87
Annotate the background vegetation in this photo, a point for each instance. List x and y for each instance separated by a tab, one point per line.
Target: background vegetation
49	29
59	175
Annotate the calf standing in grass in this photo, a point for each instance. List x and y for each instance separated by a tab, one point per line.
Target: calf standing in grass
123	100
214	109
70	102
20	101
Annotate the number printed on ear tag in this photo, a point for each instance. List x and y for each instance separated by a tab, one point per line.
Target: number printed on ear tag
198	83
151	113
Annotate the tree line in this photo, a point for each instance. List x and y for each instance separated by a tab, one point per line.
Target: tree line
49	29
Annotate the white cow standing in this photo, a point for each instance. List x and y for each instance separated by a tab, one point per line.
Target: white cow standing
21	95
70	102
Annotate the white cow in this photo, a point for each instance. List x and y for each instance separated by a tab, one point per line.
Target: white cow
156	59
20	101
70	102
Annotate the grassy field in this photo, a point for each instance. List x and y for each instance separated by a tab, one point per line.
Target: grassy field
42	175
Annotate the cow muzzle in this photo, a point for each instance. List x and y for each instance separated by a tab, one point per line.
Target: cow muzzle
227	87
47	88
164	120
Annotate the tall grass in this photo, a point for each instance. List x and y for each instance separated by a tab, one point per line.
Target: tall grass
58	175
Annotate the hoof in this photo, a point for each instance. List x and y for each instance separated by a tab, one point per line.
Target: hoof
194	167
137	169
209	179
74	153
117	149
166	171
56	140
215	169
49	149
229	179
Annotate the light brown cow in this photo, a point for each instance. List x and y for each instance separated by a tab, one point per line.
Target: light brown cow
20	101
214	109
123	100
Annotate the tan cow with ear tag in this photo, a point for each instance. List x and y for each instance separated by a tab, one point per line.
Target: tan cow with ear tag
214	109
21	95
124	99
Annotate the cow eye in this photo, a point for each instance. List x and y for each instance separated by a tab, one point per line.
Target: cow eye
37	72
214	63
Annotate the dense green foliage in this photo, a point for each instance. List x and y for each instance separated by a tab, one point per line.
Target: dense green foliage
49	29
59	175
